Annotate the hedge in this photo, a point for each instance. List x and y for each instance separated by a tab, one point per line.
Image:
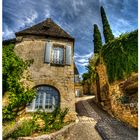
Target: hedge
121	56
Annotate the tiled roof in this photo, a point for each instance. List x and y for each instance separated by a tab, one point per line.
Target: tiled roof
46	28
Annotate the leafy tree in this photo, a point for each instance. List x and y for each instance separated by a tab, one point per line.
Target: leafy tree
12	72
97	39
91	73
106	27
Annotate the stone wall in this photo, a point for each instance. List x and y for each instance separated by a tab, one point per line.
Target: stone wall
125	111
79	88
109	96
103	87
89	88
60	77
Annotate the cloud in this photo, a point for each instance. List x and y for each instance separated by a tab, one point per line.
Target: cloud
82	60
76	17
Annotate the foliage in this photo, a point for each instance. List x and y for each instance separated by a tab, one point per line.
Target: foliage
91	74
26	129
97	39
121	56
12	72
53	121
106	27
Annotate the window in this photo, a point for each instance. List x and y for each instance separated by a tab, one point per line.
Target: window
47	99
58	55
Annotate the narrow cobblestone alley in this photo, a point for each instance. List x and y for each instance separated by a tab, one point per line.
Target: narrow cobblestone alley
95	124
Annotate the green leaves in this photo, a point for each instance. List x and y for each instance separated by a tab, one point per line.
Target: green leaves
91	74
121	56
12	72
97	39
106	27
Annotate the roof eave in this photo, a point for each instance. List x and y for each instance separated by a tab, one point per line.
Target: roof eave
60	37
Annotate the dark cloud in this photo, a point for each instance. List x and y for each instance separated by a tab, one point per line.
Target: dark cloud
74	16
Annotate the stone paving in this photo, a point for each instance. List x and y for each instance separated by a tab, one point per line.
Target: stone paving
111	128
108	127
85	127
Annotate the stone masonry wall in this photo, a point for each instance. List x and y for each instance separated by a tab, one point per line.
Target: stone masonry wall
126	112
60	77
103	86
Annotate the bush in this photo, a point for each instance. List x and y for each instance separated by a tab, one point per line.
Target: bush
121	56
54	120
26	129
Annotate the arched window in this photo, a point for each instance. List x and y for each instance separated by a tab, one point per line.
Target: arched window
47	99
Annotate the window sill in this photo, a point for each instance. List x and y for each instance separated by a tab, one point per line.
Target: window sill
35	110
57	65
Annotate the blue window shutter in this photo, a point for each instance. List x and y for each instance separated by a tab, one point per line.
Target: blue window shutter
48	47
68	55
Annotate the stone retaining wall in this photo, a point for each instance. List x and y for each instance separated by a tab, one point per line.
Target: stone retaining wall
126	112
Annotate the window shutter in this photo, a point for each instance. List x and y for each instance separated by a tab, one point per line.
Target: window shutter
68	55
48	47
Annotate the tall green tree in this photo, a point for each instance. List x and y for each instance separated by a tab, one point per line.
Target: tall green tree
97	39
106	27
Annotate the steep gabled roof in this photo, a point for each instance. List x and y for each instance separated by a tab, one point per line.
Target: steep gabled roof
46	28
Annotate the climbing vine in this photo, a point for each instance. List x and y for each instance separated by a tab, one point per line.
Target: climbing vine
12	72
121	56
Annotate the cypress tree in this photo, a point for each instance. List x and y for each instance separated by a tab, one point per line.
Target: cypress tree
106	27
97	39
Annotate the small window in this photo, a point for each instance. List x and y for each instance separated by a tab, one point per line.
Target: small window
58	55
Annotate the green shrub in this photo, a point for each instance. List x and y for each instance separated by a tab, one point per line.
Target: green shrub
121	56
26	129
54	120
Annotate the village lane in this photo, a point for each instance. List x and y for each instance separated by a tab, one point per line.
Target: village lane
95	124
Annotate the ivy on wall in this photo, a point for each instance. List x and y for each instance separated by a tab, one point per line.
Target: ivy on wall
12	72
121	56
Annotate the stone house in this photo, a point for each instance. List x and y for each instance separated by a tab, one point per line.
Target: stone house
52	71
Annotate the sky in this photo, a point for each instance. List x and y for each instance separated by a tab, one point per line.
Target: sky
76	17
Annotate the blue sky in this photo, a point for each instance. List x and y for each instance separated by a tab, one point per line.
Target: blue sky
77	17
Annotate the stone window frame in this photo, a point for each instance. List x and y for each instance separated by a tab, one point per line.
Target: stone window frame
64	54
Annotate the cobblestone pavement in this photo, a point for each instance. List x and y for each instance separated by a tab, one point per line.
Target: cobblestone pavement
108	127
91	118
85	127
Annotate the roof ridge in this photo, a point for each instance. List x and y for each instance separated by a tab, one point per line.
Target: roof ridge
48	28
